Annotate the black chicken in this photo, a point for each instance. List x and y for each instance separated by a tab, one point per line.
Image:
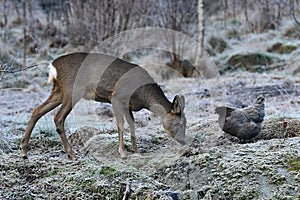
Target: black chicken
244	123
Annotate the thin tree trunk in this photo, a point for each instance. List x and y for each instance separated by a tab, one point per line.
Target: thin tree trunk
225	13
24	32
246	13
234	9
5	14
127	17
278	17
175	59
199	52
17	9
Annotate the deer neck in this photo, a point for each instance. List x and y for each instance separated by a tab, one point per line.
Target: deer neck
158	103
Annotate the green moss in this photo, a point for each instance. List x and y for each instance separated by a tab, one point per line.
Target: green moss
282	48
287	49
293	164
253	62
44	139
52	172
107	171
250	59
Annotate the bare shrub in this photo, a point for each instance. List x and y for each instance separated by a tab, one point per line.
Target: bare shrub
90	22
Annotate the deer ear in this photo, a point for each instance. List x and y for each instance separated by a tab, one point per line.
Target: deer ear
182	103
177	105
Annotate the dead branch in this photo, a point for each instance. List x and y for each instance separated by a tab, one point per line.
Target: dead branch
127	190
292	10
295	18
291	6
18	70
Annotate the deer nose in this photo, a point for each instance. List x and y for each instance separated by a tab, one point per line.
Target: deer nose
180	140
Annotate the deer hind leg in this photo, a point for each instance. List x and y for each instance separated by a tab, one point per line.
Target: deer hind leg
59	120
118	111
130	121
52	102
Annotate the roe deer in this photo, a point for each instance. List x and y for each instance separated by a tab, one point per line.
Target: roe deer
104	78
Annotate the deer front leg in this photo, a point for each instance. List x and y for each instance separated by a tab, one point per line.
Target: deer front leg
121	150
130	121
118	111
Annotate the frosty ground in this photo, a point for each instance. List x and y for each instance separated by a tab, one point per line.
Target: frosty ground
212	165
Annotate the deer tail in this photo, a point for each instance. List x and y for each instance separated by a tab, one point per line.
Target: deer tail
52	73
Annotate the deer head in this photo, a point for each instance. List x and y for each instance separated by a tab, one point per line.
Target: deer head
174	122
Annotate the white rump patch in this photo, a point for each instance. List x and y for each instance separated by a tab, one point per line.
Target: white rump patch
52	73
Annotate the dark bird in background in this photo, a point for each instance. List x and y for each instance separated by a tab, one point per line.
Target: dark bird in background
244	123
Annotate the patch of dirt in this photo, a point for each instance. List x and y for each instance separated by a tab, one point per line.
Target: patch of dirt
280	128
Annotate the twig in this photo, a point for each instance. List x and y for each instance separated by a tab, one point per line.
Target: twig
292	11
127	191
295	18
18	70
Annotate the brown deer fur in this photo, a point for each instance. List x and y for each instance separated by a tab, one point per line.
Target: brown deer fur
104	78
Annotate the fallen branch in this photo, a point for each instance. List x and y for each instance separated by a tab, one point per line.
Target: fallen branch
126	187
127	191
18	70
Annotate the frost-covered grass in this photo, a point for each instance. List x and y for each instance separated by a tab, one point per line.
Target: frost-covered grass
211	164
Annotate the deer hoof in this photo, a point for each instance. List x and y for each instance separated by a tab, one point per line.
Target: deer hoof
23	154
71	156
25	157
